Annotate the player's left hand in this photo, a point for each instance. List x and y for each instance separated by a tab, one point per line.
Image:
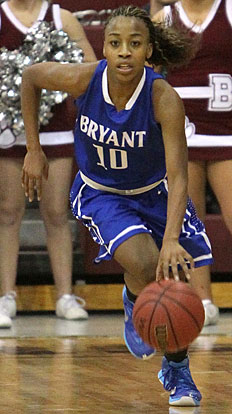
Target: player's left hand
171	255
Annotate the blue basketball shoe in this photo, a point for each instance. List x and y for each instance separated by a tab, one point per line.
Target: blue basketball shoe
176	378
134	343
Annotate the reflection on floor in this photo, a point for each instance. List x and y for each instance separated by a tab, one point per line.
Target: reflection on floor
98	324
53	366
48	325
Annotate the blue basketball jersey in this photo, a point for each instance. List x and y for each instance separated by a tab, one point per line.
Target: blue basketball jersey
124	150
120	149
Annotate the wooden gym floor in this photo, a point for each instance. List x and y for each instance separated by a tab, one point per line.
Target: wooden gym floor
52	366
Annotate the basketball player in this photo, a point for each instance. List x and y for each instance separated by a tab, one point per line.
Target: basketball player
210	148
129	137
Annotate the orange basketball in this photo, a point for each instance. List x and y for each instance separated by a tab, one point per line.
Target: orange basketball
168	315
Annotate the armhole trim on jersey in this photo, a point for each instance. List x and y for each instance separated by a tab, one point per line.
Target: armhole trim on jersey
168	14
57	16
229	11
42	12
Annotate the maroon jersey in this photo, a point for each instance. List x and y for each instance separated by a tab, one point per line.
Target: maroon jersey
205	84
12	34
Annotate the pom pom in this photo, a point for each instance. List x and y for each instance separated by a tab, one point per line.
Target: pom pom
42	43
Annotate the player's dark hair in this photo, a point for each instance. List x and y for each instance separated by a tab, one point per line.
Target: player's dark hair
172	45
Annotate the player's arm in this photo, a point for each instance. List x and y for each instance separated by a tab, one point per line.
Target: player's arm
76	32
70	78
169	112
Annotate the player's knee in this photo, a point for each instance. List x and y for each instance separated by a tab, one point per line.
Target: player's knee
145	271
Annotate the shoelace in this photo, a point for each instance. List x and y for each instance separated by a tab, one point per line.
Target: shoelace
174	376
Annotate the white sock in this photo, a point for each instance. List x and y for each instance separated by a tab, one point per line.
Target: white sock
206	302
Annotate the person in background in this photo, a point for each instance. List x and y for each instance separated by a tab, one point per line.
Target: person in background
130	145
17	18
205	86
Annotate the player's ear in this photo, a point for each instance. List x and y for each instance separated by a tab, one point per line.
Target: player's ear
104	50
149	50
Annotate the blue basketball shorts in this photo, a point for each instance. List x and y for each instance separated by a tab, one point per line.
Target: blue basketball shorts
112	219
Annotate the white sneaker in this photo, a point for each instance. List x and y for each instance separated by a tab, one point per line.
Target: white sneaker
7	309
71	307
211	312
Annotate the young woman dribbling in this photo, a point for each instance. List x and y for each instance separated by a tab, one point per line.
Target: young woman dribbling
131	190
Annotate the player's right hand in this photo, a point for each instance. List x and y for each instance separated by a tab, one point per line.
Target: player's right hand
34	169
172	256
